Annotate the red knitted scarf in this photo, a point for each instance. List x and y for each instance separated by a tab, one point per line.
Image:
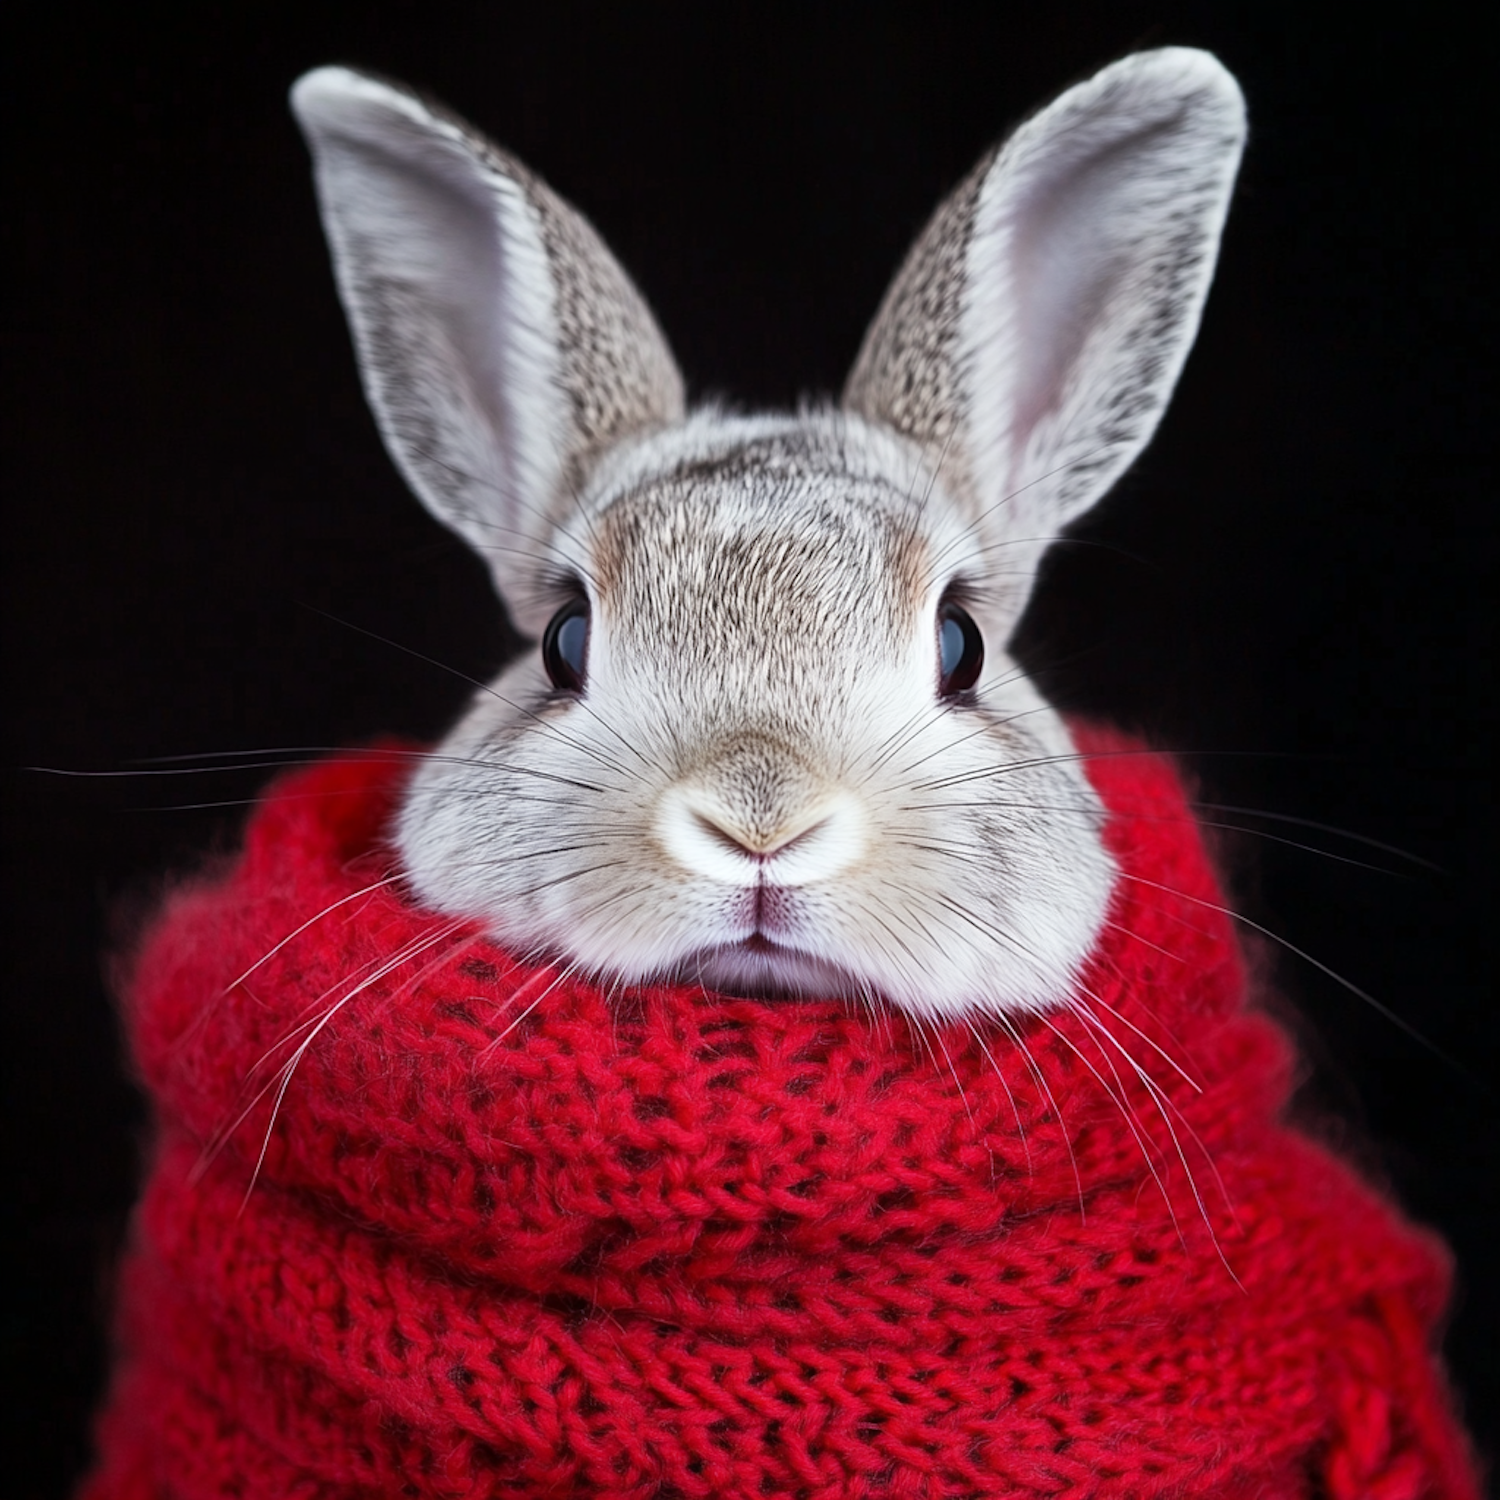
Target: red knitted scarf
509	1235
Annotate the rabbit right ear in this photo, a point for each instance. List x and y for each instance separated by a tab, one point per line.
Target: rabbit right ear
500	344
1032	338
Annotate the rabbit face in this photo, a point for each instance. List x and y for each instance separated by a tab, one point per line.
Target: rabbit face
770	739
760	782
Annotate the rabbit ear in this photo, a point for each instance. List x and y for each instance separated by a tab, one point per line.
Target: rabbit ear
1036	330
500	343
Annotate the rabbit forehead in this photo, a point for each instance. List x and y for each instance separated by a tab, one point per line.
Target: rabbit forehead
753	528
757	552
815	441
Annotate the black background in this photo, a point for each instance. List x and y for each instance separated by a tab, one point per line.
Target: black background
1293	583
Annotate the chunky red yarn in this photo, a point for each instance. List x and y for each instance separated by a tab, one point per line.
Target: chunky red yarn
510	1235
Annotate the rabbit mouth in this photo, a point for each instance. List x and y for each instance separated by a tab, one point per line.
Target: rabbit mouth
758	967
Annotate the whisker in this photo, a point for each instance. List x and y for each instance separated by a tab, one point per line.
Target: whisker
1156	819
923	719
1145	942
314	755
290	1068
332	906
981	729
1121	1102
579	874
1031	762
1014	1032
564	974
220	1138
973	528
999	1072
483	687
547	520
1162	1101
937	1036
1170	1061
1348	984
1343	833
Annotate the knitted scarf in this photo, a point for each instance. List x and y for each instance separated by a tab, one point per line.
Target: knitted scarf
499	1232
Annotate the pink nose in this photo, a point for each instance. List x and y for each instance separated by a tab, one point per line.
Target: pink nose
741	841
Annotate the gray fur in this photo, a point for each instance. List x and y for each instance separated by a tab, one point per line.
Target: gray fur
760	785
908	373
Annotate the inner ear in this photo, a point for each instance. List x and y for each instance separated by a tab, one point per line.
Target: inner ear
431	279
1069	251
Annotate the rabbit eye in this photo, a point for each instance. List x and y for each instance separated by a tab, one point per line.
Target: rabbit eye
960	650
565	645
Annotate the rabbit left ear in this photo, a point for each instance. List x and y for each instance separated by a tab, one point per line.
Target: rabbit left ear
1032	338
501	345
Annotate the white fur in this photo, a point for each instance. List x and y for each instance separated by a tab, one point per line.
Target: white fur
760	785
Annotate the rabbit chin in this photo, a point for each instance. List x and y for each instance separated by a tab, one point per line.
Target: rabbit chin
760	968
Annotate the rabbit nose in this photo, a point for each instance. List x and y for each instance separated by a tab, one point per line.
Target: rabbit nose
753	844
707	835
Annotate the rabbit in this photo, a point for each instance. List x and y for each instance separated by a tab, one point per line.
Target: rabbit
769	739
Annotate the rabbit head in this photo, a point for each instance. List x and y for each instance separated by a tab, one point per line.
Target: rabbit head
770	738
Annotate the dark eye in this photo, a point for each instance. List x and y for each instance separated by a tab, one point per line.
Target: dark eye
960	650
565	645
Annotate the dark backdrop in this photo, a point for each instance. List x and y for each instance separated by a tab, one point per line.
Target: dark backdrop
1293	582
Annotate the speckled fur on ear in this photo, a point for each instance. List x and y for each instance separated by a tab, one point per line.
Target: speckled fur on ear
1032	338
501	345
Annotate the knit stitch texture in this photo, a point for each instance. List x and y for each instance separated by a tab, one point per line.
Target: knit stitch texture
512	1235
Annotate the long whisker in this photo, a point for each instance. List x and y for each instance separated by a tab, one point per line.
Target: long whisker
1166	1057
973	528
922	719
1348	984
313	755
937	1036
561	976
1004	1084
332	906
547	520
217	1142
1006	767
1122	1103
1163	1103
1343	833
1014	1032
1010	939
412	951
982	729
1093	814
484	687
1163	1097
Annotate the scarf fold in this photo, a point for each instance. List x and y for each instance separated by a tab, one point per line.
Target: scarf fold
424	1220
